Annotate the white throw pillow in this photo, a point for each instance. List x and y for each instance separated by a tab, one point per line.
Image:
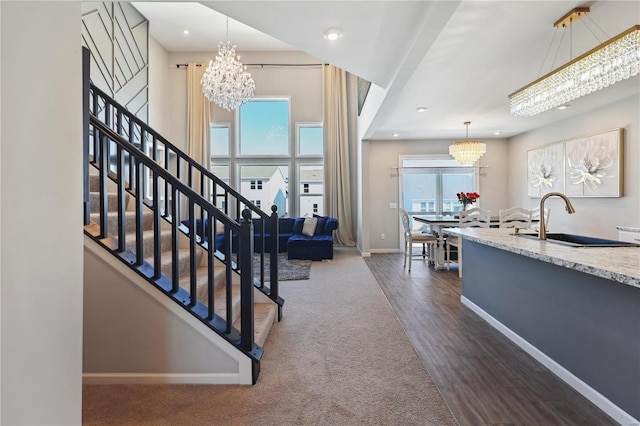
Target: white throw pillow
309	227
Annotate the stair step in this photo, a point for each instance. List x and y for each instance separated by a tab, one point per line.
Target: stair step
94	183
220	302
147	244
184	256
112	201
264	315
202	281
130	221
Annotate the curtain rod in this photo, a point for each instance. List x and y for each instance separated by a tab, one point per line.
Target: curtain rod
442	167
263	65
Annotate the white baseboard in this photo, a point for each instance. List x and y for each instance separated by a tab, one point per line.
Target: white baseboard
389	250
587	391
159	378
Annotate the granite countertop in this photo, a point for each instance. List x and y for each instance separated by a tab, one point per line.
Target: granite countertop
628	228
621	264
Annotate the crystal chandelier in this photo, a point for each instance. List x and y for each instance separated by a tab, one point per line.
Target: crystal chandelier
467	151
612	61
226	81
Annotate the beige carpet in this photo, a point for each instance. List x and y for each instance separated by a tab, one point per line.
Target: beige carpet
339	357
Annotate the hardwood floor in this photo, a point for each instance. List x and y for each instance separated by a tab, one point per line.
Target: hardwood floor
484	377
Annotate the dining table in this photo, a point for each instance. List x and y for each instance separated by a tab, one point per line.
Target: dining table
437	223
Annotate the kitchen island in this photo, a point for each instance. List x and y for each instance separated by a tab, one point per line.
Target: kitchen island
574	309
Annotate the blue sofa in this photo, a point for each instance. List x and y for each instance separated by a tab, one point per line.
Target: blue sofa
291	239
316	247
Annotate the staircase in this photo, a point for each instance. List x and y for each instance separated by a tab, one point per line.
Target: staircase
265	314
146	203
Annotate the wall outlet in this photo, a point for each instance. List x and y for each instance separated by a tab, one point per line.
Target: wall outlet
382	236
393	205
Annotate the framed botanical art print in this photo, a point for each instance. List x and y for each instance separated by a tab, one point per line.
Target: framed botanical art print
545	170
587	166
593	165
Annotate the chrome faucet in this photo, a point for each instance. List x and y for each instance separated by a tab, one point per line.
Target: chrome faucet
542	233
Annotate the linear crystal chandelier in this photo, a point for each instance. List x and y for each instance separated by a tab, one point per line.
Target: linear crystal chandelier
612	61
467	151
226	81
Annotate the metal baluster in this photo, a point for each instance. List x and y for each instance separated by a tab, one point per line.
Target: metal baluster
139	216
210	268
122	219
174	240
157	236
192	255
104	152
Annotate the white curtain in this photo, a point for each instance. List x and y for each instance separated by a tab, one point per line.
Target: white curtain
198	122
337	169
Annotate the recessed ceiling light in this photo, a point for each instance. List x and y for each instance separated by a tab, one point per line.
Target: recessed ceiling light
564	106
497	133
421	109
395	135
185	32
333	34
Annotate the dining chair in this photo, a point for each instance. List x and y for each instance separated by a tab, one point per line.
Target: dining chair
428	241
515	217
476	217
535	215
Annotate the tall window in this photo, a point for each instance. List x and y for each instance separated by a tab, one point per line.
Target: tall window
266	185
264	127
310	145
221	171
429	184
219	140
311	178
267	162
310	140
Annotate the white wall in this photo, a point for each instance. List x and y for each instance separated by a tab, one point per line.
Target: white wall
382	184
159	94
594	216
41	213
151	339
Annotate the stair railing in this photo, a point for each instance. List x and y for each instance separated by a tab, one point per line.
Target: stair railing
166	155
106	144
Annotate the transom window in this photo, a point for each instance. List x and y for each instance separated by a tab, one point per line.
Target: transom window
264	127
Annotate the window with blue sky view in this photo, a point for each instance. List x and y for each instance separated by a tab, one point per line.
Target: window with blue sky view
264	150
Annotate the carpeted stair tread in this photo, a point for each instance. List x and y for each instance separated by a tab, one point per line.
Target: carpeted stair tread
264	315
130	221
112	201
202	281
148	239
184	256
220	302
94	183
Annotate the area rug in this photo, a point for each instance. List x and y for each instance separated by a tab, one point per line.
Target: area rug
288	269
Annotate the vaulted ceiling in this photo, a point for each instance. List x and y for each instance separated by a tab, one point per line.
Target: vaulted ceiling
460	59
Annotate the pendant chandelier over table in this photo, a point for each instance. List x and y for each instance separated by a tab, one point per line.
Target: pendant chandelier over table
467	151
226	81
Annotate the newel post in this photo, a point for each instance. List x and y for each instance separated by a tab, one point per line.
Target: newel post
274	249
245	259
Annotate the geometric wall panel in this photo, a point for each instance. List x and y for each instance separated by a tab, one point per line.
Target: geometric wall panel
118	37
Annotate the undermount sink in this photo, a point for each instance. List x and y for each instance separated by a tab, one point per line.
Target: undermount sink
581	240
